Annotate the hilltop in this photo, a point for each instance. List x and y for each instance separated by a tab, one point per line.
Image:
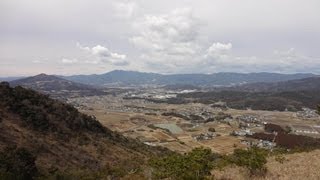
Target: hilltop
56	86
49	137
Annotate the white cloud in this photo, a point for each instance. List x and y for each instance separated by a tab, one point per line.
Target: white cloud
169	38
292	60
219	50
102	54
287	55
68	61
220	57
126	9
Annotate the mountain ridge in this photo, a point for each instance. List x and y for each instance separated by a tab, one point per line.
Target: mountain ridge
123	78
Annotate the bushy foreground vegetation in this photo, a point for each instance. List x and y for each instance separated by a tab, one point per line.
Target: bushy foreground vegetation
199	163
17	163
254	159
193	165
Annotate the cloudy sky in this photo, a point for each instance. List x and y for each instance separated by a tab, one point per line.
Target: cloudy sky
164	36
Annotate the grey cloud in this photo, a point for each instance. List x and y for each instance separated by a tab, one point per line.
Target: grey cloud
161	36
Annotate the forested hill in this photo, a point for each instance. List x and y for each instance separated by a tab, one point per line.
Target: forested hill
56	87
42	136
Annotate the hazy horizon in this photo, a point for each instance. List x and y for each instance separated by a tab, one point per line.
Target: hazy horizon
167	37
35	74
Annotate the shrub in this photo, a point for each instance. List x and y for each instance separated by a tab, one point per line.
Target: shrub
196	164
280	158
254	159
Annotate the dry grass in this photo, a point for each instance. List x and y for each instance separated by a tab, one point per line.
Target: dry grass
223	144
298	166
231	173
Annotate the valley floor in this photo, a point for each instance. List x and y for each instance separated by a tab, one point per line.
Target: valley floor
138	119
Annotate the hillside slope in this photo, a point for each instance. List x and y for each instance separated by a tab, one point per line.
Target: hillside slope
60	138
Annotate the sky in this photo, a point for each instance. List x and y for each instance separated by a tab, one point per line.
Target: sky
69	37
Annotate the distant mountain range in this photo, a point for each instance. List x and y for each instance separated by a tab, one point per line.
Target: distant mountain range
120	78
133	78
10	78
56	86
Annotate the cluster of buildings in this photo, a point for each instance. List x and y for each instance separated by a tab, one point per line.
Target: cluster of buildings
204	136
260	143
307	113
249	121
248	118
151	94
242	132
299	129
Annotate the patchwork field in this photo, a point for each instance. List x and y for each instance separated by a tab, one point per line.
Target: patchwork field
145	121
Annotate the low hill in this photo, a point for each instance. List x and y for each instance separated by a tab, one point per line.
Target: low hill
133	78
42	136
288	95
280	101
56	86
305	84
